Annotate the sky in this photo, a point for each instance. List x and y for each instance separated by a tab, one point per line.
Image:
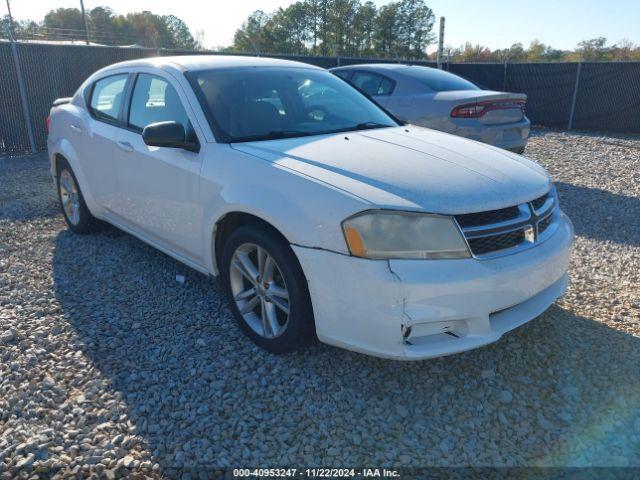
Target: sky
493	23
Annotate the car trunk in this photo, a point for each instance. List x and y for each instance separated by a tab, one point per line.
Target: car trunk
487	107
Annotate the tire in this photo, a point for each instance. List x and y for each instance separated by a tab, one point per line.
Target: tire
281	332
74	208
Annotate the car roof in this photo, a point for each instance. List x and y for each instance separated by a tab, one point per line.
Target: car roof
209	62
379	66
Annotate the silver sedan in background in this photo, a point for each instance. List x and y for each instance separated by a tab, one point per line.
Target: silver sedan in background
443	101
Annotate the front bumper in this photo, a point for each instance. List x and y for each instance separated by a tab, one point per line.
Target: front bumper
417	309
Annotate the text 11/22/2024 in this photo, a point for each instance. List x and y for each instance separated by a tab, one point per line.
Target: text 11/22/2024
315	473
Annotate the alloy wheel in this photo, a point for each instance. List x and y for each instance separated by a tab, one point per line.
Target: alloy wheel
69	197
259	290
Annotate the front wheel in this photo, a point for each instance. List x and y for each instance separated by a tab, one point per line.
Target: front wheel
266	289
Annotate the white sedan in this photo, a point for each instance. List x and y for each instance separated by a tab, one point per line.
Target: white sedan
321	214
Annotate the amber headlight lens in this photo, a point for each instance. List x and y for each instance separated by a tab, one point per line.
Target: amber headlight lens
389	234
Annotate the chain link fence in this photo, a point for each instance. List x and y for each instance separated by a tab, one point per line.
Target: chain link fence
589	96
549	87
608	95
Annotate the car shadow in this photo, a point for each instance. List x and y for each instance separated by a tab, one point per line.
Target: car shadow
583	204
555	391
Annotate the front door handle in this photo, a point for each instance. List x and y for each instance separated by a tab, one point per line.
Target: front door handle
126	146
75	128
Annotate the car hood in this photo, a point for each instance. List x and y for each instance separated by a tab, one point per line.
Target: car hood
410	168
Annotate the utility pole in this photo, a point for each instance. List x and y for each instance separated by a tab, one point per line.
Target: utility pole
84	17
440	44
10	21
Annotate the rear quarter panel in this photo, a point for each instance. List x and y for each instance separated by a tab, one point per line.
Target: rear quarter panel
60	143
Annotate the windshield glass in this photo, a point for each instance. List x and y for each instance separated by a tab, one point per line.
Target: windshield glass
437	80
268	103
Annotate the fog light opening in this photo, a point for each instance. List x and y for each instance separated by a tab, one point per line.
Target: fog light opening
406	332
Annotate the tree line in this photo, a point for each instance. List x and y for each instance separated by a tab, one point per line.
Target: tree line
401	29
107	28
593	50
398	30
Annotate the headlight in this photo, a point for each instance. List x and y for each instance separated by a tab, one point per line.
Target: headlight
391	234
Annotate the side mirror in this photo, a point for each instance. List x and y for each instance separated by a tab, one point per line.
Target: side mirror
168	134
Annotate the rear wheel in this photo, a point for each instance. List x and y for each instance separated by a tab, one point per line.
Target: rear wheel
74	208
266	289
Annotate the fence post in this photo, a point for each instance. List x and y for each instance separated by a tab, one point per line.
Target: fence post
575	96
504	76
23	96
10	20
440	54
86	24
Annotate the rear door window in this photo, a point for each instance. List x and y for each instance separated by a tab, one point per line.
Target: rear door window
373	84
108	96
438	80
344	74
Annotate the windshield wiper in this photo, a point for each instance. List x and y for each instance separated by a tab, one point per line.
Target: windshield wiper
279	134
273	135
370	125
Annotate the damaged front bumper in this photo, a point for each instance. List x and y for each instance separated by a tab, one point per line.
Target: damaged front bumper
417	309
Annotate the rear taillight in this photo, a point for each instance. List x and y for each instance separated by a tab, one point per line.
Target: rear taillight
478	109
47	122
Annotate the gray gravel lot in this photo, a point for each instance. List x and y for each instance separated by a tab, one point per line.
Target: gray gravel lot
109	366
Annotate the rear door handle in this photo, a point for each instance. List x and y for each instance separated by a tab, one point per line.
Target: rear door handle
126	146
75	128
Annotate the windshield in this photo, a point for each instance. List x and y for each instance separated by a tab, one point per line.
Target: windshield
437	80
267	103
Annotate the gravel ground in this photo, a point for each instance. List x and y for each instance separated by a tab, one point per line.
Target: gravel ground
108	366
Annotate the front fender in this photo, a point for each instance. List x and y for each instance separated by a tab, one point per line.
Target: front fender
306	212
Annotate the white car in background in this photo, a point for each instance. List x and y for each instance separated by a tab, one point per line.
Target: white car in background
443	101
320	214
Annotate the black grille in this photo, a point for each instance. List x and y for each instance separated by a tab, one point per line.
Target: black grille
539	202
485	218
544	224
484	245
